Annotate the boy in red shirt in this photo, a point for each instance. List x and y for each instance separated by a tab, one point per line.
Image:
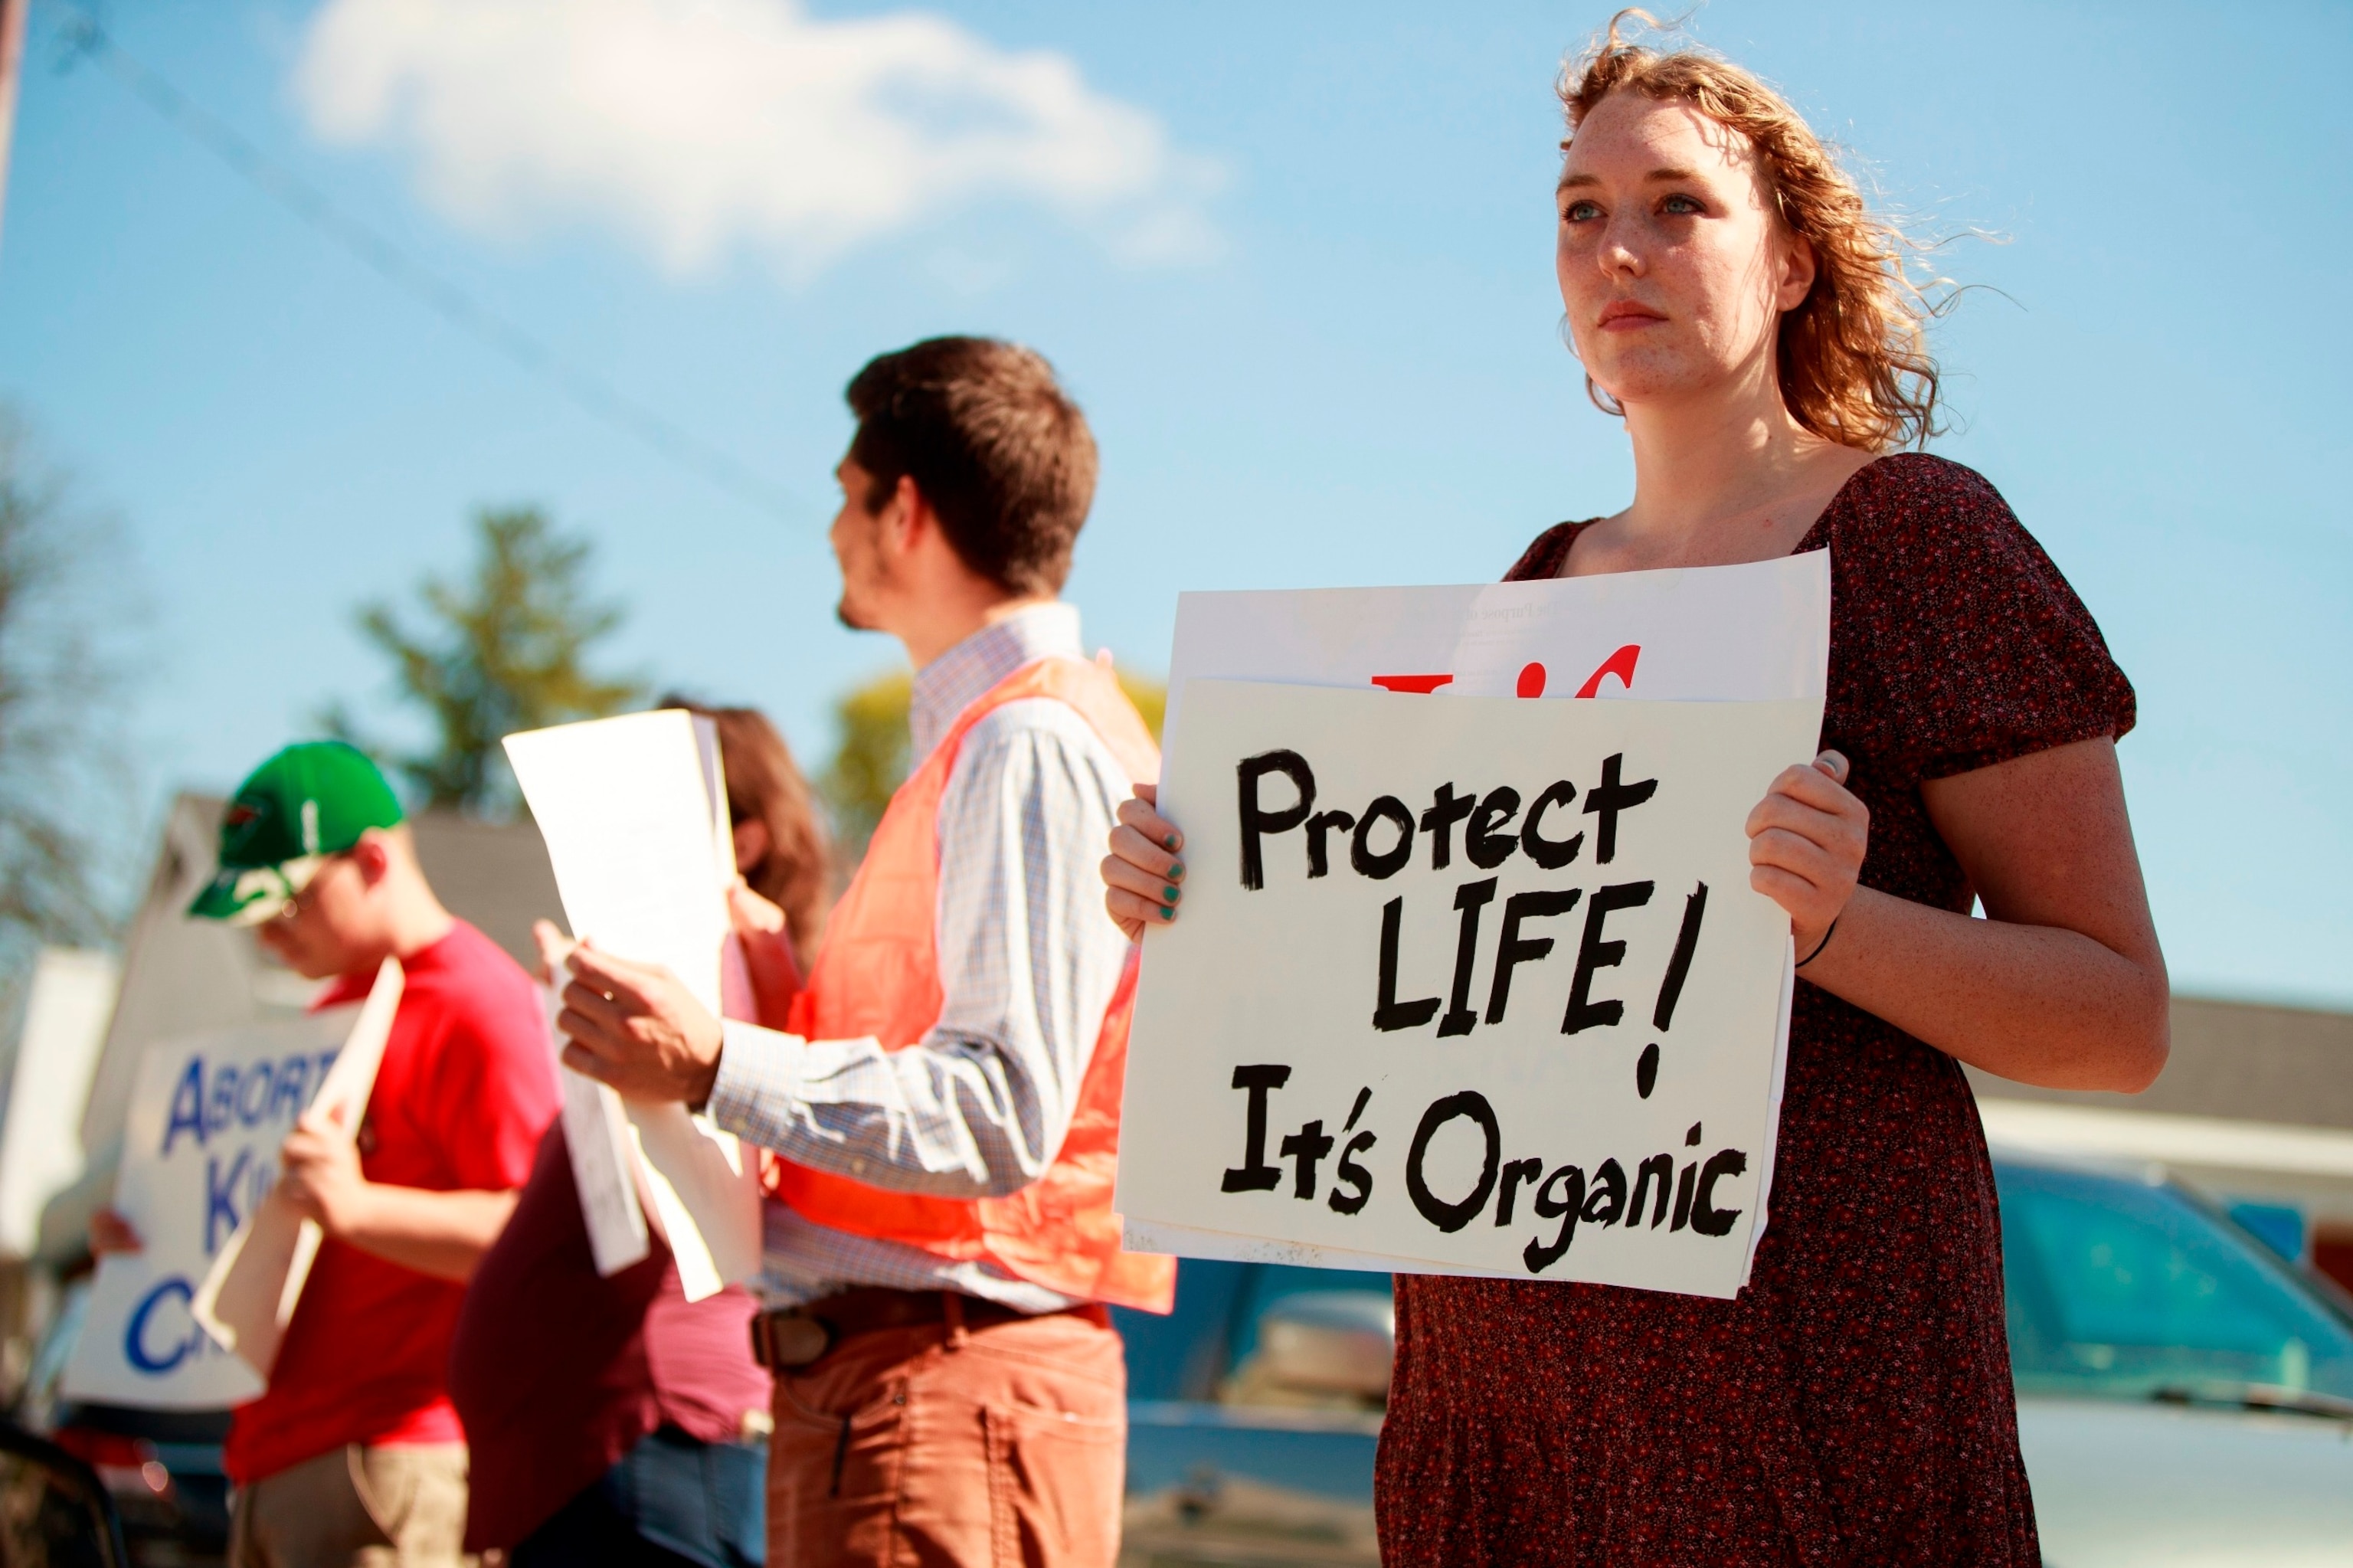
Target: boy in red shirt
354	1451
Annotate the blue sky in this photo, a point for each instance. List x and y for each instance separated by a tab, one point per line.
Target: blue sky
1294	260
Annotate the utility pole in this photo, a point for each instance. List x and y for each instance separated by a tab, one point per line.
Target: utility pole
12	66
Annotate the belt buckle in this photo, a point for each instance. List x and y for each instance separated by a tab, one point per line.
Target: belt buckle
790	1340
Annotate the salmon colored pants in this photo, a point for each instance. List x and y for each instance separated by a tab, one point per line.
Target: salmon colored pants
932	1446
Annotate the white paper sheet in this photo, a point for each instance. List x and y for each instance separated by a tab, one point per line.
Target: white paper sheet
704	1193
603	1156
1753	632
633	810
248	1295
624	807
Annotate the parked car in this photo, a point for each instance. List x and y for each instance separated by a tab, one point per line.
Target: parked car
1252	1414
54	1512
161	1469
2184	1394
2185	1397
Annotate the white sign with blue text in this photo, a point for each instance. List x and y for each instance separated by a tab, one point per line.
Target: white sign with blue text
200	1151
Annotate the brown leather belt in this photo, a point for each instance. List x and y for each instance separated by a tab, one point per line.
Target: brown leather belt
792	1338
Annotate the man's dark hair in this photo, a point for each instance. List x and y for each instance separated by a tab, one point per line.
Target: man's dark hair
1002	454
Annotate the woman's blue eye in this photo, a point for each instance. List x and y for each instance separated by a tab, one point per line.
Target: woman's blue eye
1681	205
1579	211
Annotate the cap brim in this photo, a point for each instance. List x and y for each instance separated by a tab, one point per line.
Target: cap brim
248	895
230	896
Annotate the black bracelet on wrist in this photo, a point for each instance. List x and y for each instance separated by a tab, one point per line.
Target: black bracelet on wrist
1825	942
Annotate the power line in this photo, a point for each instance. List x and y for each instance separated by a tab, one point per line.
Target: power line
88	38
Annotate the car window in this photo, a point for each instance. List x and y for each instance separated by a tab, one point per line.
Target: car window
1311	1338
1338	1327
2125	1288
1181	1354
1272	1284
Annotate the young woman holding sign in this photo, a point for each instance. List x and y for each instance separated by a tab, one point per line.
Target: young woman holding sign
1732	298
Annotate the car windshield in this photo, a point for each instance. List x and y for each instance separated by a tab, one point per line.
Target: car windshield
2131	1290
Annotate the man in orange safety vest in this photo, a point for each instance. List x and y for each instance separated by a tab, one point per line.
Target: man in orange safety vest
944	1105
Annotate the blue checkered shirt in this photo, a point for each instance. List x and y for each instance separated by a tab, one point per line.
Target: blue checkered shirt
1028	961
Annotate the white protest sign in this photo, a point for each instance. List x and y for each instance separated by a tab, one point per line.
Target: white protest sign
248	1295
200	1148
1758	631
1478	984
1754	632
634	813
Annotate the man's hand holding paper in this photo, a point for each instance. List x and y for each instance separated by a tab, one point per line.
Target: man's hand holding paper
635	1027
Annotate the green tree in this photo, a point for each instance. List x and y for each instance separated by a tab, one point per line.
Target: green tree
1149	696
504	650
870	757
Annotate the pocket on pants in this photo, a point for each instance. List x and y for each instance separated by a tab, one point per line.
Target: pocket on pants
386	1490
1054	1482
415	1495
822	1459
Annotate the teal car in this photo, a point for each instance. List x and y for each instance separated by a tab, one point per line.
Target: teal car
2184	1394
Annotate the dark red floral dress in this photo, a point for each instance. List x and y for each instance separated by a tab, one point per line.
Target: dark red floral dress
1853	1405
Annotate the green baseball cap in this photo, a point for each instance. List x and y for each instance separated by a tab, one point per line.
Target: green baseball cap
308	802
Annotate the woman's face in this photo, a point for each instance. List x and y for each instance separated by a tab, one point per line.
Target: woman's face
752	843
1674	269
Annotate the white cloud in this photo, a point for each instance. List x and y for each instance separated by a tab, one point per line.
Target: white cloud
695	127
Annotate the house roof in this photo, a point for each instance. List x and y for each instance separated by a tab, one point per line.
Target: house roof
182	976
2244	1061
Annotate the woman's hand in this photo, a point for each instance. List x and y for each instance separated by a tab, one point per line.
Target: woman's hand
1143	877
1806	843
769	958
110	1233
753	913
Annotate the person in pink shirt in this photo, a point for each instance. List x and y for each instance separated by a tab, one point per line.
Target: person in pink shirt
614	1424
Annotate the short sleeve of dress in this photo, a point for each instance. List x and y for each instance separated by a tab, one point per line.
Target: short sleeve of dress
1979	650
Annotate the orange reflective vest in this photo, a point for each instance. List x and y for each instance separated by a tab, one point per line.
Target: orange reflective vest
878	974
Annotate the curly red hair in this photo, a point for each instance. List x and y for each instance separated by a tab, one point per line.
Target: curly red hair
1853	361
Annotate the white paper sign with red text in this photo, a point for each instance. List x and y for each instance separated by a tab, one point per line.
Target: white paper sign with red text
1756	631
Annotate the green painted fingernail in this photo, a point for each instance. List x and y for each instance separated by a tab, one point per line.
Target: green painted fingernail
1171	895
1167	912
1169	843
1177	872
